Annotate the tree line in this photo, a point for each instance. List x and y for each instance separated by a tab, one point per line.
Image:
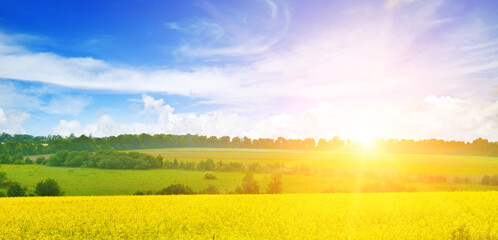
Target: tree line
109	159
14	147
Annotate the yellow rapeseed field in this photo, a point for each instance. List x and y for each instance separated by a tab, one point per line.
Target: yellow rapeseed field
455	215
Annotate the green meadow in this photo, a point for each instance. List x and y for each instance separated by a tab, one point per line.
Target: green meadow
330	171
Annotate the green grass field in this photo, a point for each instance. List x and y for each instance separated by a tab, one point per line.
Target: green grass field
340	171
402	163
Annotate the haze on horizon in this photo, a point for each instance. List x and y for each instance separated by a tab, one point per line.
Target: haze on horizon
412	69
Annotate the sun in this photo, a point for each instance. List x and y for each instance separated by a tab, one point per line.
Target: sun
366	138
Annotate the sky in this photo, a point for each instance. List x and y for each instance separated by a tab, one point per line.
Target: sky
359	69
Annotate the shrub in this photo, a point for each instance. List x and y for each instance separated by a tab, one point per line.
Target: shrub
16	191
176	189
48	187
209	176
211	190
28	160
40	160
148	192
2	194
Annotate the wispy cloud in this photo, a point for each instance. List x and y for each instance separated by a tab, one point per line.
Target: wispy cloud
390	4
66	105
226	34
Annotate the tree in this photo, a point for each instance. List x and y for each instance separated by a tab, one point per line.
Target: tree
16	190
48	187
275	186
40	160
485	180
249	185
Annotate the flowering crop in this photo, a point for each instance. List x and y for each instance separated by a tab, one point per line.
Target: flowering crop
440	215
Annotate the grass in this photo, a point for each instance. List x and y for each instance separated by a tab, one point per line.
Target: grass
450	165
341	171
88	181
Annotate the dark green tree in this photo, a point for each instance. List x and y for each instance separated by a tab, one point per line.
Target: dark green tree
48	187
16	190
176	189
249	185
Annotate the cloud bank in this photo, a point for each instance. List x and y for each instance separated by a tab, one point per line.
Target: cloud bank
434	117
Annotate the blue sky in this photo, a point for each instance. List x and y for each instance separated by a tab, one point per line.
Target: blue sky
264	68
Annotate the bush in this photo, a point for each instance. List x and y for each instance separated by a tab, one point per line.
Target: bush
2	194
16	191
40	160
209	176
210	190
48	187
148	192
28	160
176	189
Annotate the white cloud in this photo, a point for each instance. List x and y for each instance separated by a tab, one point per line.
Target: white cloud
433	117
65	128
12	122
